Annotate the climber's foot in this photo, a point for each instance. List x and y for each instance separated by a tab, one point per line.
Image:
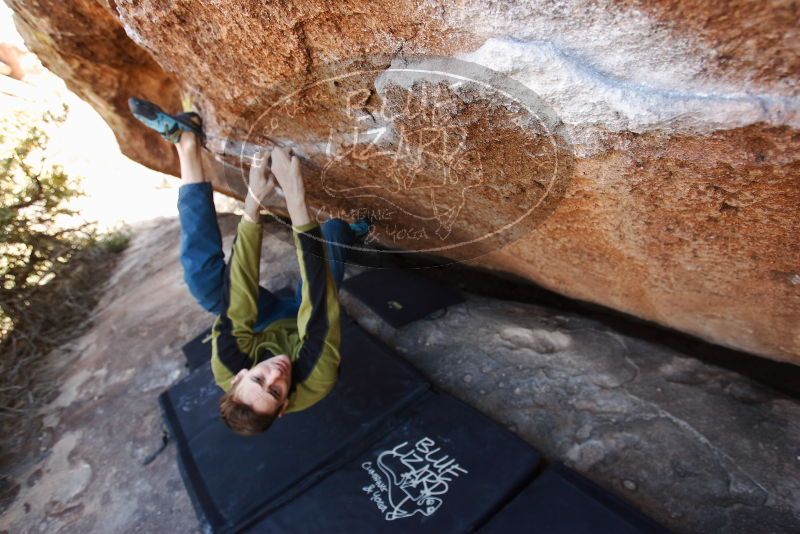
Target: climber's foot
361	227
169	126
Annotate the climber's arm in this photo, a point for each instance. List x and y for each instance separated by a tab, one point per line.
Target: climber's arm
234	336
316	358
246	258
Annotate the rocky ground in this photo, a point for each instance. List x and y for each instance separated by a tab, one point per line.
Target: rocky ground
699	447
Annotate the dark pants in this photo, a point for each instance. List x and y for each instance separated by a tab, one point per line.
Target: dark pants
204	262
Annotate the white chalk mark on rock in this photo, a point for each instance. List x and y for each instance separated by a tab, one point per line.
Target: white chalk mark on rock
585	96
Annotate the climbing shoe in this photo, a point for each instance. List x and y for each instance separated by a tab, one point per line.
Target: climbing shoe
361	227
169	126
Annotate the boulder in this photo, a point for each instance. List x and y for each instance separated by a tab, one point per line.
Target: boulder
641	155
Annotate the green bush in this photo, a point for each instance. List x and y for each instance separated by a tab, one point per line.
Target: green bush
52	265
114	241
34	197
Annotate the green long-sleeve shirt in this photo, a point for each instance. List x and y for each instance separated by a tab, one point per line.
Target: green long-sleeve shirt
311	341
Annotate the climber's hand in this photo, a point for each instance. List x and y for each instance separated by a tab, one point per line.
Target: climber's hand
259	187
286	168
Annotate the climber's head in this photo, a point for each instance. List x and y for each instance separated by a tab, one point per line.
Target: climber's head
257	396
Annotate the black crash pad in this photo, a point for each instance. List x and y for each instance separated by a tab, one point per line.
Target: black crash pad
198	350
561	501
232	478
399	296
445	469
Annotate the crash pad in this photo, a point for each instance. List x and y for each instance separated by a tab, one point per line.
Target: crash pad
231	477
445	468
561	501
400	296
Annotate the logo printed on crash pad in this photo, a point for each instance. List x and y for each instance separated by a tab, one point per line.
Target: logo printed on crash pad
411	479
394	305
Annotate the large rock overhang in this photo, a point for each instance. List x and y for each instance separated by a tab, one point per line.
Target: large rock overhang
641	155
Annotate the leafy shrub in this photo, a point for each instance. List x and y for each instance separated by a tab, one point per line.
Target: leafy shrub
52	265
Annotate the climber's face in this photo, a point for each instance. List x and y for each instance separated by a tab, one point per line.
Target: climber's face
265	387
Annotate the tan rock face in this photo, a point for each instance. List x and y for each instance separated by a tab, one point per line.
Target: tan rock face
641	155
696	233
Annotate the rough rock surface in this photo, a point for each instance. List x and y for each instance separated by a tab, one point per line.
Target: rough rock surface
674	125
698	447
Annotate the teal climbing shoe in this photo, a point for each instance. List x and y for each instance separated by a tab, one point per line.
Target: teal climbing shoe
361	227
169	126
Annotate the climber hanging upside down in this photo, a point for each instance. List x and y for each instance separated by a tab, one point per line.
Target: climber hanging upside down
270	355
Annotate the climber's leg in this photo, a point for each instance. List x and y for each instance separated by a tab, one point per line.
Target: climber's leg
201	253
201	243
